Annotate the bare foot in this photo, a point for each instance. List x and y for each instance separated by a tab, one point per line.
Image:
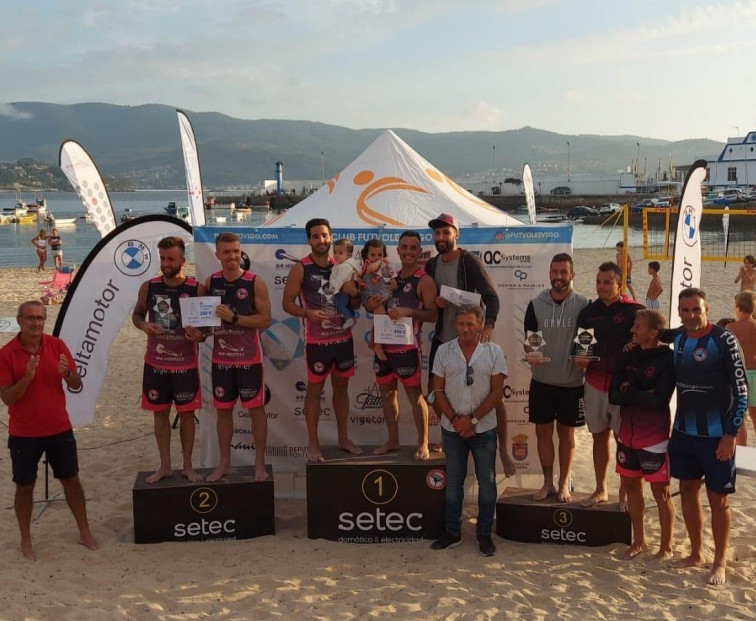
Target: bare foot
564	494
422	453
315	458
717	575
547	490
634	550
191	474
160	473
350	447
688	561
28	551
663	555
218	474
386	448
261	474
88	541
596	498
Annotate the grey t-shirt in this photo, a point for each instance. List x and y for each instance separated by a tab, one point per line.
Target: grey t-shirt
446	274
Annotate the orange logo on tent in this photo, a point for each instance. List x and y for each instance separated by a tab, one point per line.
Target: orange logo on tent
376	187
440	177
332	183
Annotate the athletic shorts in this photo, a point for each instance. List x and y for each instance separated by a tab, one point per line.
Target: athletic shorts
161	387
652	304
600	415
694	457
57	253
59	449
547	403
406	366
324	358
243	382
636	463
751	376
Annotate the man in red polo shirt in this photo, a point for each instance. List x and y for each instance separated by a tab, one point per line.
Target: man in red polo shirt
32	368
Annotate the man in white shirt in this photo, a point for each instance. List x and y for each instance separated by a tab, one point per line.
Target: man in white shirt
467	384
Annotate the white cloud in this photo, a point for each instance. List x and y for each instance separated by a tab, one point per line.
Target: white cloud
11	112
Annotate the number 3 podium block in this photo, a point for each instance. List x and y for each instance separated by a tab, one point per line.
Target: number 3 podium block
520	518
173	509
376	499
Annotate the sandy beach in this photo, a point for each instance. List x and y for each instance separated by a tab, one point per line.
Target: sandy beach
289	576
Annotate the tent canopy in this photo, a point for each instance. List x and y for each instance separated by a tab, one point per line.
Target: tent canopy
390	185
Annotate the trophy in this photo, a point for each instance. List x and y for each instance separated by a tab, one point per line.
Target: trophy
533	344
585	340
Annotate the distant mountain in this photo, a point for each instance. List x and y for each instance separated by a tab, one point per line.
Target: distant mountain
141	144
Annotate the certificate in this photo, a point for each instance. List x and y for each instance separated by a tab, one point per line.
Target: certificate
459	297
390	332
200	312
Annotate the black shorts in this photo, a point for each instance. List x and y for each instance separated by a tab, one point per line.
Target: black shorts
59	449
324	358
636	463
404	365
161	387
694	457
243	382
547	403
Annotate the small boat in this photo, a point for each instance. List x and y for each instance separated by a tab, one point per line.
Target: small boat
86	217
64	221
171	208
183	213
220	219
29	218
40	206
127	215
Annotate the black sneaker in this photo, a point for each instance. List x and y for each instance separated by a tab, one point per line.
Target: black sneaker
446	541
486	545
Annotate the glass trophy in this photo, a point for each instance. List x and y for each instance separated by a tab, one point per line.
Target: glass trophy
585	342
534	342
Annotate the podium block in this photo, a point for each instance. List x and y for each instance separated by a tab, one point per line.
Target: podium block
174	509
520	518
367	498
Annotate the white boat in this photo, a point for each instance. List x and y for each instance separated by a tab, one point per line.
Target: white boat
220	219
39	207
182	213
64	221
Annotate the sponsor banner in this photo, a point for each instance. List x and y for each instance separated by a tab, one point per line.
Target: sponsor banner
87	182
517	260
102	296
192	169
686	261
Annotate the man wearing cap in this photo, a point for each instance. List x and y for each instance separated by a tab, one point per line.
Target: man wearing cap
461	269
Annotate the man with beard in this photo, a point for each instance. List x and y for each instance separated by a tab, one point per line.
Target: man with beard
329	348
170	362
556	388
414	297
237	352
611	318
458	268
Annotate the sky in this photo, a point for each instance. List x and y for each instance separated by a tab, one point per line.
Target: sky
663	69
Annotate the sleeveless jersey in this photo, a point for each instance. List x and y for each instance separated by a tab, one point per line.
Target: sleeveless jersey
233	344
312	296
406	296
172	349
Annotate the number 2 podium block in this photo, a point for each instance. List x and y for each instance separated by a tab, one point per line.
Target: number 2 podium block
173	509
367	498
520	518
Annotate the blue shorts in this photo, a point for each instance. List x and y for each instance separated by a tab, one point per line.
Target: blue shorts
694	457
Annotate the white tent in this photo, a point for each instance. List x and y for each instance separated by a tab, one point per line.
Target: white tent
390	185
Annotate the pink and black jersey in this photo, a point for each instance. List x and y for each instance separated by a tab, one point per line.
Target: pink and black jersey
313	296
171	350
406	296
233	344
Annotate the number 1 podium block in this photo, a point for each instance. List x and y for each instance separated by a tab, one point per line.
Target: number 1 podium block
376	498
174	509
520	518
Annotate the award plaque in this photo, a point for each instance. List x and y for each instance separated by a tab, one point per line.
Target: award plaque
534	342
585	341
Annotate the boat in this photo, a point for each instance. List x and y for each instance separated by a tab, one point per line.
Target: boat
220	219
553	217
127	215
19	209
40	206
171	208
29	218
183	213
64	221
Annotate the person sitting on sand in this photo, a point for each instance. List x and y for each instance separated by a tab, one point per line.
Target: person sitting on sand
642	385
33	368
747	274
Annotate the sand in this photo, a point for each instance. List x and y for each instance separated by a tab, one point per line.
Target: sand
290	576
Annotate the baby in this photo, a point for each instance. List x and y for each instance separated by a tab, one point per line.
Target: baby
345	270
377	279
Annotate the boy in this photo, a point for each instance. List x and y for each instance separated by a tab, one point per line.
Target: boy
654	287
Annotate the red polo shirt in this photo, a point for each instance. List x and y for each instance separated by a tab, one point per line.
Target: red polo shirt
42	409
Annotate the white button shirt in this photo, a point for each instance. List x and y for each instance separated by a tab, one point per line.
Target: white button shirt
487	360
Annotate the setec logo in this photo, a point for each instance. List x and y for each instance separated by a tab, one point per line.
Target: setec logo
204	500
563	534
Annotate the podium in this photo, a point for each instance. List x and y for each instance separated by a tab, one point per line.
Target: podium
520	518
174	509
368	498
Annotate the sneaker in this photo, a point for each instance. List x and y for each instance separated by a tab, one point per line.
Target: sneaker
447	540
486	545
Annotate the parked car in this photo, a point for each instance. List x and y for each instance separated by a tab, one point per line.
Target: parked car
638	207
581	211
661	201
608	209
562	190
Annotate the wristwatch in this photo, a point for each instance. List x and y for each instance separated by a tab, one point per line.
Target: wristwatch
473	420
235	318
